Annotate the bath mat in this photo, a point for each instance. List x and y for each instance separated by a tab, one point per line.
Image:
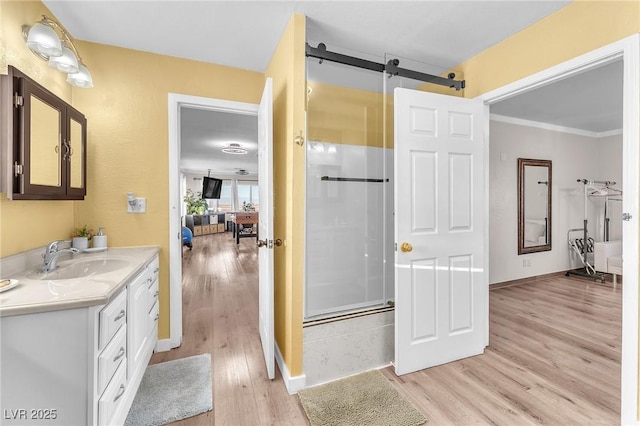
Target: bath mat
171	391
364	399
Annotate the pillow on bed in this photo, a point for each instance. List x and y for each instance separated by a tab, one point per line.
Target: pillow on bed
532	231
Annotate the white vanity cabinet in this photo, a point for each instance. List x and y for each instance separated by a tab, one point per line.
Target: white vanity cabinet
79	366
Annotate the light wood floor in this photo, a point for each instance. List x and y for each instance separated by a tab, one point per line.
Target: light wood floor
553	358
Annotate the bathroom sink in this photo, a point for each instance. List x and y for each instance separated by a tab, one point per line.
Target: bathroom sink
82	268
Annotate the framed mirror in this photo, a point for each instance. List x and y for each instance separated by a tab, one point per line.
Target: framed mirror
534	205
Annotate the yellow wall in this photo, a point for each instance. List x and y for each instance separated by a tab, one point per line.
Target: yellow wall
577	28
344	115
287	68
26	225
127	115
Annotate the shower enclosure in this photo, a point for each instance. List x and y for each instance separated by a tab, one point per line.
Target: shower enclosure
349	226
349	185
349	316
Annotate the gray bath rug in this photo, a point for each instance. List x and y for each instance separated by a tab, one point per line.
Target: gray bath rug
364	399
171	391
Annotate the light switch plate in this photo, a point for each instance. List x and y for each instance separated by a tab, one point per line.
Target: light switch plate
138	206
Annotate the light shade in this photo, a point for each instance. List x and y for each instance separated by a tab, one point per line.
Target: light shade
66	63
234	148
43	39
82	78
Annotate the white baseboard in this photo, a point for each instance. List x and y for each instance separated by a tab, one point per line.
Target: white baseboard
164	345
293	384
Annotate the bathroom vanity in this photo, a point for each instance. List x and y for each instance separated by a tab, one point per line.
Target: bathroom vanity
73	350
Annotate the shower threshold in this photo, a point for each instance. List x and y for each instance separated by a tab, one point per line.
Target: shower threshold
340	316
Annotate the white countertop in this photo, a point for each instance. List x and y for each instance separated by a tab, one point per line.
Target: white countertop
42	295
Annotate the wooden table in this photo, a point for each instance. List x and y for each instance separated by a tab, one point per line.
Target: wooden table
244	218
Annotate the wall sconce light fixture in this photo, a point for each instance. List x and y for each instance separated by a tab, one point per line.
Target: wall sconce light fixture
49	41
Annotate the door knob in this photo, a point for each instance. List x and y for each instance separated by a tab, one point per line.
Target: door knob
261	243
406	247
278	242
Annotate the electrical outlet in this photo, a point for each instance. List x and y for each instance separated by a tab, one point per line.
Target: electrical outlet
524	263
528	263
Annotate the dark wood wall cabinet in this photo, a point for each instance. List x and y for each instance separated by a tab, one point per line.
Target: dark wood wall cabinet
46	143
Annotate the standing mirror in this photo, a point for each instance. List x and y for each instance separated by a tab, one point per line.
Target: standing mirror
534	205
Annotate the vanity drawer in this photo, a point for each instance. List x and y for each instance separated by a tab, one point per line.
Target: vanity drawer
154	268
113	396
111	318
153	294
154	314
111	358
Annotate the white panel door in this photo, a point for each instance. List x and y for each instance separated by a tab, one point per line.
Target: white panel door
265	226
441	288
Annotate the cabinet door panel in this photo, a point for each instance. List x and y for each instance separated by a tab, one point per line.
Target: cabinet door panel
76	161
45	144
43	123
138	309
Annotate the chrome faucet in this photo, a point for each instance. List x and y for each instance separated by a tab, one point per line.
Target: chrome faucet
51	254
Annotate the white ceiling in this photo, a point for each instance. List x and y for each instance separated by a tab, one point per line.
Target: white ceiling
244	34
204	133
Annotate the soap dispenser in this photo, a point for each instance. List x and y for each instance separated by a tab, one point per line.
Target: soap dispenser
100	240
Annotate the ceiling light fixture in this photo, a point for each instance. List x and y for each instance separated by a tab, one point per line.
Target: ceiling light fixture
242	172
234	148
50	41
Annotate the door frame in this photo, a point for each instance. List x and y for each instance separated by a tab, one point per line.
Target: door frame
627	49
176	103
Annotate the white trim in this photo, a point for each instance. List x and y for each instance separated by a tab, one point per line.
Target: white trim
630	204
627	49
176	103
553	127
607	134
293	384
164	345
487	150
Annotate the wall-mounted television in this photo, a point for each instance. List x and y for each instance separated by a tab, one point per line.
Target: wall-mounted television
211	187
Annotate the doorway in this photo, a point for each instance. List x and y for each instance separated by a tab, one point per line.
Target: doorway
177	103
626	50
